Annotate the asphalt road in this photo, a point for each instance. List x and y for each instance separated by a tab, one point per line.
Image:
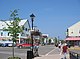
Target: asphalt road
5	52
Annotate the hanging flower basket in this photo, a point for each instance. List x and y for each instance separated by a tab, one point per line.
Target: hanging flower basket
36	33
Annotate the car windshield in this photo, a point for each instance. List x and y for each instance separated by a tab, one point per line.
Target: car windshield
24	42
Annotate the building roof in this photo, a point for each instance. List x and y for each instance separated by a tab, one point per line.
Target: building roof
75	25
3	24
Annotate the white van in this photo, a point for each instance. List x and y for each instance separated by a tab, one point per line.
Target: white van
6	43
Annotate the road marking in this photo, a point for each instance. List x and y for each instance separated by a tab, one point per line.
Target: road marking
49	52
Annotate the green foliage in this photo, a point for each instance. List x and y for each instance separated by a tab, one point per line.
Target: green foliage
14	58
14	27
55	40
62	41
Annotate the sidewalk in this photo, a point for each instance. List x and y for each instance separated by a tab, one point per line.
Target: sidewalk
57	55
54	56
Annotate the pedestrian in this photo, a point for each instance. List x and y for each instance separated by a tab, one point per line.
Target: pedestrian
64	50
59	45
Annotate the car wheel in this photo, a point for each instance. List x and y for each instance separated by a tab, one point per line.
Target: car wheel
20	46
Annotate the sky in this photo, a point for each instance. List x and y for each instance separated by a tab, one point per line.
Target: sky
52	17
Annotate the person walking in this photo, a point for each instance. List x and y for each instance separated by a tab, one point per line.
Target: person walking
59	45
64	50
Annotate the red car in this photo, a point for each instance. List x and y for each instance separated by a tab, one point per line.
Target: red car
24	45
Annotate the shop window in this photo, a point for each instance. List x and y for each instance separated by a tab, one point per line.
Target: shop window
26	29
27	35
17	34
1	33
22	34
8	34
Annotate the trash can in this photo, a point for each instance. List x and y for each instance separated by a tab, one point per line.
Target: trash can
30	55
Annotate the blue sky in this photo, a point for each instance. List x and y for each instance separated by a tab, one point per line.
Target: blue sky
53	17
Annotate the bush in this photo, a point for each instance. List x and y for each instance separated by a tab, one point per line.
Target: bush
14	58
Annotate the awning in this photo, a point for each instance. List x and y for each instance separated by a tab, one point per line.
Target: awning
73	38
5	38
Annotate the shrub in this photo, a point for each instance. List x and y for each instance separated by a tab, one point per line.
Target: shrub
14	58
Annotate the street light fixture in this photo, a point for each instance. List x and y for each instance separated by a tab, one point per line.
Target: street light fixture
32	19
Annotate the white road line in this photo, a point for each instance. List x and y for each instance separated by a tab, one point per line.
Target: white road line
49	52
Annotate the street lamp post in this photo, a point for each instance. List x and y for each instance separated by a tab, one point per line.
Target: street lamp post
32	19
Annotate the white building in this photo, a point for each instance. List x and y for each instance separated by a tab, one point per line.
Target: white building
23	35
45	38
74	30
73	34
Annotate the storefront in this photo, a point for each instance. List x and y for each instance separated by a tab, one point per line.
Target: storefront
74	41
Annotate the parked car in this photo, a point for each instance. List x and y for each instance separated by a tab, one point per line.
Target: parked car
6	43
0	45
22	45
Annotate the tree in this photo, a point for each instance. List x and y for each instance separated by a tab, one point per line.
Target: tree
55	40
13	27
